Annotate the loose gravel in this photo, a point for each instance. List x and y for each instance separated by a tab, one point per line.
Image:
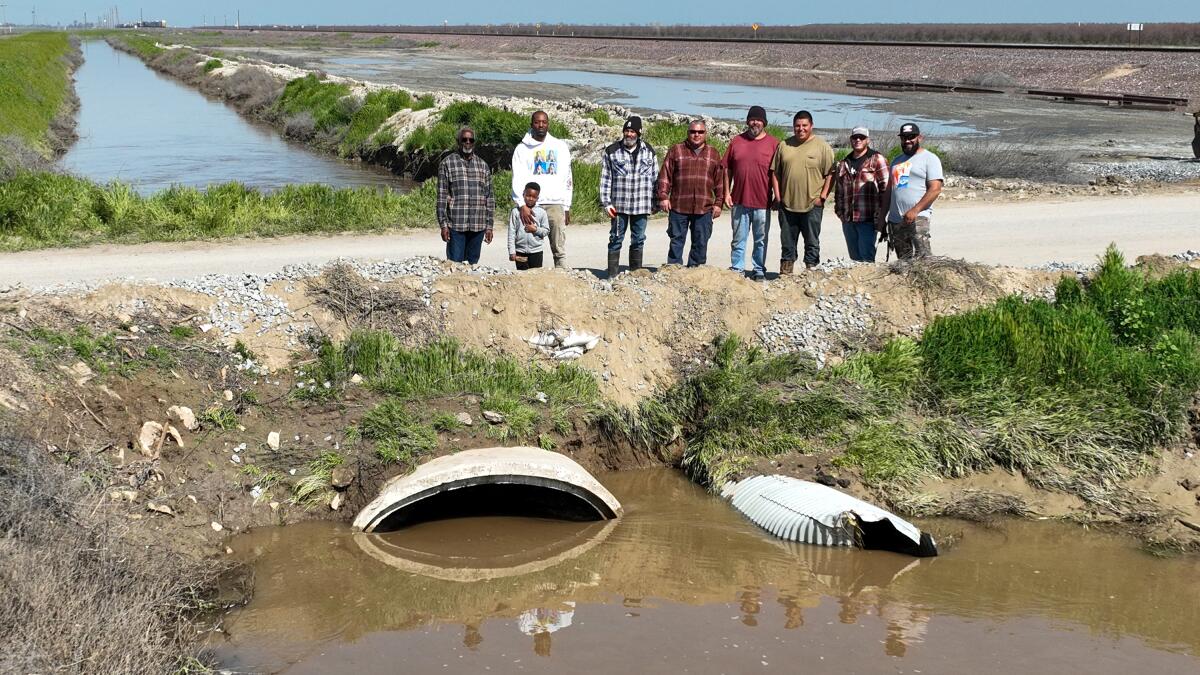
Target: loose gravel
817	330
1142	171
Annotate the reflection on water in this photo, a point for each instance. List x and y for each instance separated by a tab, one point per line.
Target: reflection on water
730	101
142	128
683	582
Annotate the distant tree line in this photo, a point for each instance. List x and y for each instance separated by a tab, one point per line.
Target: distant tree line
1158	34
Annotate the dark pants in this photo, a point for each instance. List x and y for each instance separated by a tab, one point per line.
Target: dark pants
532	260
464	246
793	225
678	226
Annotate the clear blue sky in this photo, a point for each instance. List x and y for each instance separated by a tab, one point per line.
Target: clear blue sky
192	12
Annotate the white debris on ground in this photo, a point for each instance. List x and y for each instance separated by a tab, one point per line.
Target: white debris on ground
563	344
814	331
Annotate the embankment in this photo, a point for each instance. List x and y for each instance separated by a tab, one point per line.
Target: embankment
37	102
188	411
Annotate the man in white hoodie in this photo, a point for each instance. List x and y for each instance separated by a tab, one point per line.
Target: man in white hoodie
546	160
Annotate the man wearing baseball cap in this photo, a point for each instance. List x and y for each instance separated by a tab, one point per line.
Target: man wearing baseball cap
628	169
916	182
748	165
861	192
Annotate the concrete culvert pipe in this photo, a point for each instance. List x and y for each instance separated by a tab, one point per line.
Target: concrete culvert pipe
490	480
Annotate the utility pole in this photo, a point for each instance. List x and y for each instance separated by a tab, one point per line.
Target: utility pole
2	21
239	19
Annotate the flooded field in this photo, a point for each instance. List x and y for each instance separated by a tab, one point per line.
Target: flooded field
684	584
142	128
727	101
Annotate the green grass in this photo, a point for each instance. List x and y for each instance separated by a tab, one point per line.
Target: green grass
445	422
445	369
145	47
377	107
663	134
1077	395
39	210
315	488
219	417
400	438
493	126
33	85
602	117
325	101
212	64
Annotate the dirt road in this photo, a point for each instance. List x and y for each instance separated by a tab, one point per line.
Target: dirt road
1021	233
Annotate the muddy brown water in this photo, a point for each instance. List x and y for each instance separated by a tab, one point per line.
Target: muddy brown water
684	584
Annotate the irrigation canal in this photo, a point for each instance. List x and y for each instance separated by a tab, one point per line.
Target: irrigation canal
682	583
147	130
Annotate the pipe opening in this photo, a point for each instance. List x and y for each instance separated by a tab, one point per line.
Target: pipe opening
492	499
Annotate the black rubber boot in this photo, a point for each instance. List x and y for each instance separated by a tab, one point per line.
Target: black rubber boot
614	262
635	259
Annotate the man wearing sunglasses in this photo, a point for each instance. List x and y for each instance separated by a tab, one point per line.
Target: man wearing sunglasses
691	188
861	189
465	203
916	182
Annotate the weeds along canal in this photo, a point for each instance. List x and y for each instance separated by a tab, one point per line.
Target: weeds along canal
152	132
683	583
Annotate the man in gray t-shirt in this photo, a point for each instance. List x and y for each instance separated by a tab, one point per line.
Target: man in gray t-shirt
916	182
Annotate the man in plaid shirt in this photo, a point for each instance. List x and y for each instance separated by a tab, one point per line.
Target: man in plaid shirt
465	203
627	173
861	189
691	188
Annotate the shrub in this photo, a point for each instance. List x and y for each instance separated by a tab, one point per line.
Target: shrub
212	64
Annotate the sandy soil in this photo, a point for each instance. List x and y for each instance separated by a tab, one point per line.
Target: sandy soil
1006	232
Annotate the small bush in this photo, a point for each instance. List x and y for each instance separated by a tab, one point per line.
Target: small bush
400	437
212	64
602	117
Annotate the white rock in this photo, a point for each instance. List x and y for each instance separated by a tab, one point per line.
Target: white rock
148	439
228	395
336	502
185	416
493	417
217	527
464	418
356	379
273	440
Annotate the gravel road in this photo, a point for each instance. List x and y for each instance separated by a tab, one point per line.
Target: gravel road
1020	234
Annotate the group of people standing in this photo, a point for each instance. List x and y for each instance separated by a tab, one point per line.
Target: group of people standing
875	200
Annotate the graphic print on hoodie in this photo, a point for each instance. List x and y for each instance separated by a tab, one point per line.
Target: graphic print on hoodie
547	163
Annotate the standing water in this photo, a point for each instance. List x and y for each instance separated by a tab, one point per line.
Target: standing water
684	584
142	128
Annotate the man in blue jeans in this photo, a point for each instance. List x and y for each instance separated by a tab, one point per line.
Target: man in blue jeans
628	168
748	164
691	188
465	203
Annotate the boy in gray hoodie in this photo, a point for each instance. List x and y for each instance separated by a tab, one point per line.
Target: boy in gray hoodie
525	241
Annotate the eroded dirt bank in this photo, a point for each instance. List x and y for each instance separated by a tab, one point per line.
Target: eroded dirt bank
103	374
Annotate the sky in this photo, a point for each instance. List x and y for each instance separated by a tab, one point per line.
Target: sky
192	12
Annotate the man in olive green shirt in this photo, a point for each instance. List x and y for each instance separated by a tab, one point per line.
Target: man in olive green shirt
801	177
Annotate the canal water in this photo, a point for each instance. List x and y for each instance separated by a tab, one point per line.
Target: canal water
152	132
682	583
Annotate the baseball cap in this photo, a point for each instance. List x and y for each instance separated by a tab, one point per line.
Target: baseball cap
909	129
860	131
634	122
757	112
